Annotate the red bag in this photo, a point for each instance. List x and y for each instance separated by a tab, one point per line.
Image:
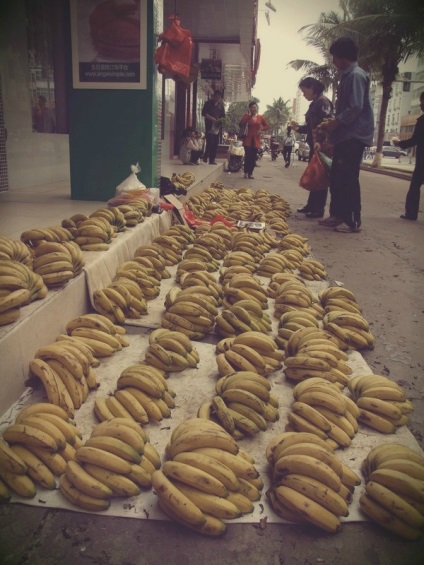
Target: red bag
174	54
315	176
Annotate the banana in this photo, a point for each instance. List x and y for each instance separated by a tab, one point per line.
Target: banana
152	455
119	485
312	415
337	420
309	466
255	388
249	413
376	422
251	355
240	467
387	518
73	386
102	410
246	376
103	459
325	400
80	499
310	510
244	397
122	432
194	440
53	461
29	436
181	506
211	466
205	410
117	409
115	446
150	385
282	441
394	504
132	405
194	477
324	454
209	503
244	423
59	353
301	424
86	483
241	502
22	485
52	384
400	483
223	414
147	402
10	460
46	427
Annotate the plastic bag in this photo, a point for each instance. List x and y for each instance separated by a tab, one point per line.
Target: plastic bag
131	182
174	53
315	176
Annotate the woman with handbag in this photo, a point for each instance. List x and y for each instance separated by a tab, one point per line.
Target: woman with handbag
251	125
319	109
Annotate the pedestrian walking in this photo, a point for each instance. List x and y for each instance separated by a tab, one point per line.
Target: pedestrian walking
412	202
252	140
351	131
288	144
214	112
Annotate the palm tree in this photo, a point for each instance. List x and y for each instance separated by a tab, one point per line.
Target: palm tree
277	114
388	32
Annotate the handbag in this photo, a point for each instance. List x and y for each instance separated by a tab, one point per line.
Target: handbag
243	130
315	176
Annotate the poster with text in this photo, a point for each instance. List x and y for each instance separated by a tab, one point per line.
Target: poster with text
109	44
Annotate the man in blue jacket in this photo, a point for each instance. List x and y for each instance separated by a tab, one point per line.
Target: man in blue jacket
412	203
352	130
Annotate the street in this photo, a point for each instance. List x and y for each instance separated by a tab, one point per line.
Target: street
383	266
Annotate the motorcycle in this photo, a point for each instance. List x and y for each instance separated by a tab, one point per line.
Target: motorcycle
235	156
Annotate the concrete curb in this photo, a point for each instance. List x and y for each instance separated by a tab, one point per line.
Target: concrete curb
388	172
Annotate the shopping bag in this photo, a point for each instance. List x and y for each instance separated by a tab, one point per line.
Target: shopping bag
243	130
315	176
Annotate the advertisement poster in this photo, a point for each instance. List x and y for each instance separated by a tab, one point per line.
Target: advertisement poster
109	44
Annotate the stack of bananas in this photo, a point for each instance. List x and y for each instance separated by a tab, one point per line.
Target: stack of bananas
122	299
184	180
214	243
350	329
190	265
394	492
309	483
340	299
54	262
145	206
65	369
278	225
382	403
171	351
182	231
251	243
224	231
116	461
294	241
150	256
250	351
206	479
309	336
35	236
19	285
312	270
35	449
201	254
146	278
240	258
197	279
291	296
98	334
71	224
112	216
217	184
132	215
14	250
226	273
291	322
280	278
243	316
320	408
95	233
191	310
171	248
293	256
243	286
272	264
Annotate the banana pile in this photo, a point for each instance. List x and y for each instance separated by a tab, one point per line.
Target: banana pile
200	254
190	265
19	286
243	316
15	250
171	351
172	249
339	298
240	258
242	286
71	224
293	256
214	242
95	233
350	329
35	236
309	483
278	279
101	336
132	215
65	370
191	310
141	204
278	225
382	403
142	395
250	351
113	216
254	244
147	279
272	264
206	478
291	296
184	180
35	449
312	270
320	408
57	263
226	273
150	256
116	461
394	492
291	322
122	299
294	241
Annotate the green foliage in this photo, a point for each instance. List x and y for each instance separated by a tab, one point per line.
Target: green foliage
277	115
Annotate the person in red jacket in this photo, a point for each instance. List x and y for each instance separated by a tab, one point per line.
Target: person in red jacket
252	140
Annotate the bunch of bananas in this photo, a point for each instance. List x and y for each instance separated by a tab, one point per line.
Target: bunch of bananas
196	279
35	236
190	265
312	270
15	250
171	351
278	279
214	243
309	336
113	216
382	403
309	483
292	296
206	479
394	492
150	256
294	241
19	285
320	408
278	225
243	286
184	180
293	256
132	215
122	299
340	299
95	234
243	316
98	334
146	278
115	461
250	351
319	362
272	264
251	243
71	224
291	322
54	262
200	253
171	248
35	449
145	206
226	273
191	311
240	258
350	329
65	370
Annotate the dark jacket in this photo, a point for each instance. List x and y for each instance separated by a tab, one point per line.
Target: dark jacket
418	140
319	109
217	111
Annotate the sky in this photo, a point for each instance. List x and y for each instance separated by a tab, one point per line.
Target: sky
281	43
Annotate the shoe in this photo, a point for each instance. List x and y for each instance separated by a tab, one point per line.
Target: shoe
345	228
331	221
213	163
405	217
251	177
287	165
303	210
314	214
245	176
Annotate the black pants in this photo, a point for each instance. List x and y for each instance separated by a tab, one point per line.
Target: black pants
195	156
412	203
250	154
317	200
211	147
345	189
287	153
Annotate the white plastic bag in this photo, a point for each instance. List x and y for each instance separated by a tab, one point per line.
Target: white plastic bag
131	182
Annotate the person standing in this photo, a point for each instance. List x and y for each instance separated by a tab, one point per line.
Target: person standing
320	108
351	130
288	144
213	112
412	202
252	140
